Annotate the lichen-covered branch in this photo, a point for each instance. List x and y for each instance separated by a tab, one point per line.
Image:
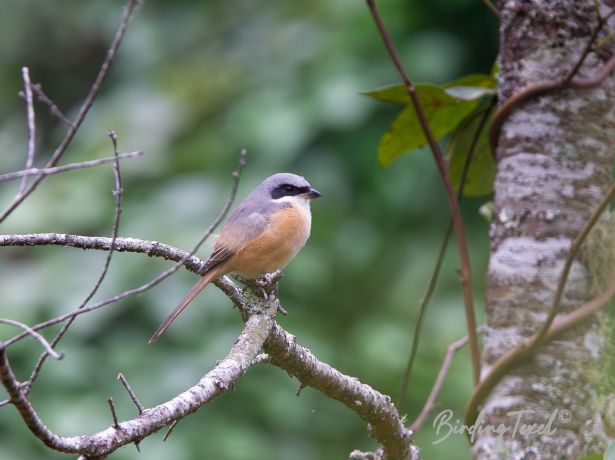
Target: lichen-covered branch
373	407
212	384
386	426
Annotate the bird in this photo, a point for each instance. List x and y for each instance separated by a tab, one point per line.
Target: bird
262	235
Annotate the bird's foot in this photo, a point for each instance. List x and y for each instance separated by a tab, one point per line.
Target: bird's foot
268	284
270	279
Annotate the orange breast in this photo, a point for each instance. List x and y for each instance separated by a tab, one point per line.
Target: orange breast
283	237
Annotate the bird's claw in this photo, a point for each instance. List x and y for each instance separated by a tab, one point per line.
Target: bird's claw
269	279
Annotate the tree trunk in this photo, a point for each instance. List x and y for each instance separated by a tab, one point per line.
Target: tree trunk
554	164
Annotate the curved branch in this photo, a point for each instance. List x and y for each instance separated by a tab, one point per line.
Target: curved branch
212	384
373	407
35	335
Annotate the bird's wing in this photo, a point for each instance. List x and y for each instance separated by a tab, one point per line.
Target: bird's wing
245	224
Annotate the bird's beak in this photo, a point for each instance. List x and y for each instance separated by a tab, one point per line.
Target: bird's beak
313	193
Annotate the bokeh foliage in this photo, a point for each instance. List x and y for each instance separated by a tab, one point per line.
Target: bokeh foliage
194	82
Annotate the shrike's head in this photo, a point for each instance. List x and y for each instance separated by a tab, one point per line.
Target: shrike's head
282	186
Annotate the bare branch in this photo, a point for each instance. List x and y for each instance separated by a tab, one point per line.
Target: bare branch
35	335
55	111
67	167
429	405
113	413
212	384
491	7
375	408
21	402
117	193
85	108
151	248
170	430
31	126
131	393
465	272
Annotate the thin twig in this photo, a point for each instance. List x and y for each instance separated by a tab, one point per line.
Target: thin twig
68	167
431	285
153	247
132	394
465	272
85	108
117	193
113	413
429	405
35	335
491	7
31	126
170	430
53	108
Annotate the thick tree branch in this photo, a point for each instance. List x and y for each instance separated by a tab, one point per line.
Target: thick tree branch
212	384
162	276
373	407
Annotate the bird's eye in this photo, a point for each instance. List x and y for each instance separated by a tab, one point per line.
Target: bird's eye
289	188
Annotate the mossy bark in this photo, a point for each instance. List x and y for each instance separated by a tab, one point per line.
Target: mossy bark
554	163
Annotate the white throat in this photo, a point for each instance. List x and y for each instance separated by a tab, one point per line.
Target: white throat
299	202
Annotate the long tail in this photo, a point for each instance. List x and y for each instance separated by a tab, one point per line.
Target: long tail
207	278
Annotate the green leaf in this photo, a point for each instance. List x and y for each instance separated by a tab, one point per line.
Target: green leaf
392	93
469	87
473	86
481	173
442	111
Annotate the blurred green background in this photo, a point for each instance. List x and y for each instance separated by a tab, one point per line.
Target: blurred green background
193	83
